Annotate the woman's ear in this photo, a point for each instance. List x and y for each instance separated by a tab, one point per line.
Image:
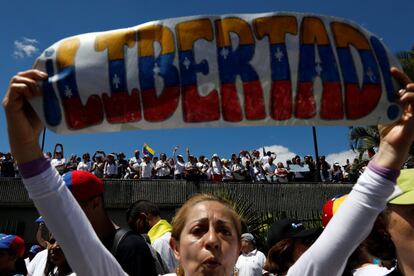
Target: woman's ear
175	246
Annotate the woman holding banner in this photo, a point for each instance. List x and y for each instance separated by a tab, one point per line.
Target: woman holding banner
213	232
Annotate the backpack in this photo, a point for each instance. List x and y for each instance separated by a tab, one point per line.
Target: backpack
120	234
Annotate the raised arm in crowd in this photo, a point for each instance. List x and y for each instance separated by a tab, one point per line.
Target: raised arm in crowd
206	231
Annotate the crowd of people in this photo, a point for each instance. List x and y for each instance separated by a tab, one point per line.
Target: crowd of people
149	245
206	235
247	166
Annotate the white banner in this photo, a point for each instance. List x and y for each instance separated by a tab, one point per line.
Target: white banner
219	71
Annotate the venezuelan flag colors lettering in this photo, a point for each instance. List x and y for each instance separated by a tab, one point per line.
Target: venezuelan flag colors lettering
206	71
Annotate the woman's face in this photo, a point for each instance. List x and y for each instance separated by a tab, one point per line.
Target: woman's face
246	247
209	243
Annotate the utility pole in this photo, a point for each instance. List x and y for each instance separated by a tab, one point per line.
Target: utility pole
315	145
43	139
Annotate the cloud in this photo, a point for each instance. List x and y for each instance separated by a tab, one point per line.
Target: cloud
283	153
341	157
25	47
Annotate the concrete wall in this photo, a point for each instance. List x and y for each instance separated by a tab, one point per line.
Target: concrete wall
303	201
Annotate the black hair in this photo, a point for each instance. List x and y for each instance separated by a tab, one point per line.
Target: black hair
142	206
20	266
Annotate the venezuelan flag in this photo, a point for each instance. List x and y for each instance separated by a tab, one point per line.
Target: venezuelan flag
148	150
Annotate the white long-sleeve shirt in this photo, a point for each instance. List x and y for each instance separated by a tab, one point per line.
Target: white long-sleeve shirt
351	224
64	217
327	256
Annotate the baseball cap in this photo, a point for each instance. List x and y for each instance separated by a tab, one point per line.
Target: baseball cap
248	237
35	249
12	242
40	219
83	184
330	207
288	228
404	189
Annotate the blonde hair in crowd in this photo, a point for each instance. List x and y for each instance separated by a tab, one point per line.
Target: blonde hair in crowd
180	217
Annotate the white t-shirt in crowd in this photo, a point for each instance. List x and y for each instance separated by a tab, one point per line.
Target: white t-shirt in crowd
250	264
227	175
135	160
371	270
162	168
269	169
58	162
200	165
110	169
146	169
179	167
244	159
216	167
237	170
82	166
264	159
259	176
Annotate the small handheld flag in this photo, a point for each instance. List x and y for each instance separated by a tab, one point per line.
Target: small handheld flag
148	150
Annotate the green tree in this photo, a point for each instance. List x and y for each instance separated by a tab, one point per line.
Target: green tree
406	59
258	223
363	139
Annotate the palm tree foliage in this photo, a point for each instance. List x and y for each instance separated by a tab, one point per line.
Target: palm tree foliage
406	59
363	138
258	223
252	220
